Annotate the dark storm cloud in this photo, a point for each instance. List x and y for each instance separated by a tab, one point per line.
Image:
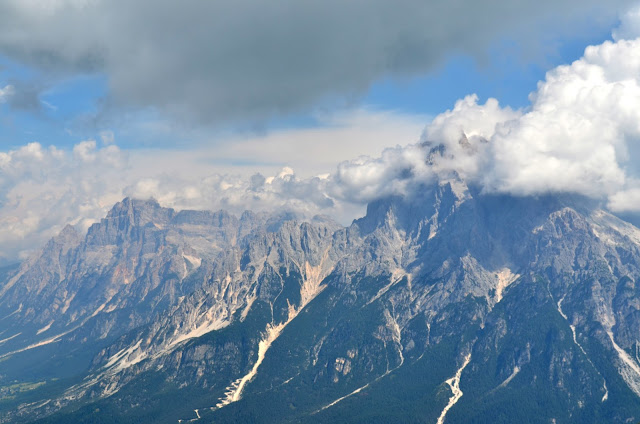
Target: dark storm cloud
25	96
215	61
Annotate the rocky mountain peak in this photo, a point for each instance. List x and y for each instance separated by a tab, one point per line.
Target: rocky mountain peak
140	212
219	218
477	302
67	238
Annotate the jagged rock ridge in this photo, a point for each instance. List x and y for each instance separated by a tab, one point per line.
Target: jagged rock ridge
446	306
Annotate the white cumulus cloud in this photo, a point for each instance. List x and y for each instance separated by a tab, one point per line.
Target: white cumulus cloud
580	134
42	189
6	92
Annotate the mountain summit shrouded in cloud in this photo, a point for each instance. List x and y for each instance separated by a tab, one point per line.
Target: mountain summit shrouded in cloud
213	273
579	134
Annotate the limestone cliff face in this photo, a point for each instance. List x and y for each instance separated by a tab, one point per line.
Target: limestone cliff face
131	265
446	306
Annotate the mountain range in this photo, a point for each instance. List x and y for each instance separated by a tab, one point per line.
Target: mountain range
443	305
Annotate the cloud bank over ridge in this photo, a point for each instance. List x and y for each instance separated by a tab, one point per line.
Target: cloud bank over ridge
580	134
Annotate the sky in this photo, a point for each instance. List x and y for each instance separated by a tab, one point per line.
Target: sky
315	107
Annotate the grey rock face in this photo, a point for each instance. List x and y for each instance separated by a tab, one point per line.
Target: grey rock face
448	304
133	264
